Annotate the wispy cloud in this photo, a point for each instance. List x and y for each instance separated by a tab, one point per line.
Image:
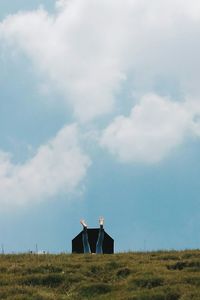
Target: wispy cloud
57	167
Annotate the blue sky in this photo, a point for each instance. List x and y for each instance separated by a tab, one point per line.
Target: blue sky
99	115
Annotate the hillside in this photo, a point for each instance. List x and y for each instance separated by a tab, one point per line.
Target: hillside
126	276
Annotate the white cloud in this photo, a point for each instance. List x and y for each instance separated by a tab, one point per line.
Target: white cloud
155	126
58	167
70	48
88	48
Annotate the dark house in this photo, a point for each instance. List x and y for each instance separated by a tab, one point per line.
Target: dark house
108	242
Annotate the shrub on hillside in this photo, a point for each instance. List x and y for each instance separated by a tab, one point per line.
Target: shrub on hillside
124	272
193	265
113	265
93	290
51	280
148	282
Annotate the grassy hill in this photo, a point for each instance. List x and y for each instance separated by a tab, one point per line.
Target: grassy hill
127	276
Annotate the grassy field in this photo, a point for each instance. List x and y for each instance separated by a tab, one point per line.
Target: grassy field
126	276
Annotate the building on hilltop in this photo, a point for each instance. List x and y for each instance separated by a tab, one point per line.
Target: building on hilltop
108	242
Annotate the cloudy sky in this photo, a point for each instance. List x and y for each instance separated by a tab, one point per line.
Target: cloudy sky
100	115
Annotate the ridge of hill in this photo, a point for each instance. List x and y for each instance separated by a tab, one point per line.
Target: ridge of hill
162	275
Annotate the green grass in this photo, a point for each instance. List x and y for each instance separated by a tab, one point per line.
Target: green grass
172	275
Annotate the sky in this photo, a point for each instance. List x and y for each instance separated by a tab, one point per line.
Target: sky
99	116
